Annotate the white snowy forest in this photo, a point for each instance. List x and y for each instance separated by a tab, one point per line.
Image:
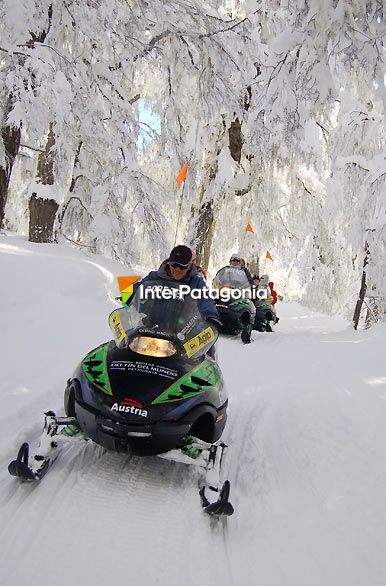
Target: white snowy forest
278	107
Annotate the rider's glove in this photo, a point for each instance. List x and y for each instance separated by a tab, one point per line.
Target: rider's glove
214	321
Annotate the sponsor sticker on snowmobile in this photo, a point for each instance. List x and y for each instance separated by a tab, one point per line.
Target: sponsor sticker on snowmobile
150	331
116	324
145	367
196	343
185	330
129	406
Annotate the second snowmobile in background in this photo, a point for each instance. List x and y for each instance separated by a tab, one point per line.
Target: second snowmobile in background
237	314
265	317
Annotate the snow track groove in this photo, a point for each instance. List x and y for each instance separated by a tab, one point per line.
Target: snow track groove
99	499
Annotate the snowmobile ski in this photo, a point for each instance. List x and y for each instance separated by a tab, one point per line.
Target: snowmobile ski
192	451
221	506
36	467
209	457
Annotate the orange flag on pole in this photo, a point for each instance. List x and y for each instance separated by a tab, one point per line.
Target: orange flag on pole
249	228
181	177
267	255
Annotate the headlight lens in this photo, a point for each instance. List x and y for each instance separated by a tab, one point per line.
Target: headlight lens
152	346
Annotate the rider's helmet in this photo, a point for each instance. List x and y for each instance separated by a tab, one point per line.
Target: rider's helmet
235	259
181	255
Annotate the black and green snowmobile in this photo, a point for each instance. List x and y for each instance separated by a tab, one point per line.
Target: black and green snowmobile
234	305
153	390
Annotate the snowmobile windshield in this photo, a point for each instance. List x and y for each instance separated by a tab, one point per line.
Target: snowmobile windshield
163	309
233	277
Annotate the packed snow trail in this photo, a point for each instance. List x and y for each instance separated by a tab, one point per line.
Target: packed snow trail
306	426
308	435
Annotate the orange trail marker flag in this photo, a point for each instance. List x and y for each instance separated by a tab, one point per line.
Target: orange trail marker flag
181	177
267	255
249	229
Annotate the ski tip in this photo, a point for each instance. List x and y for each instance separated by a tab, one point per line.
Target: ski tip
221	507
19	467
21	470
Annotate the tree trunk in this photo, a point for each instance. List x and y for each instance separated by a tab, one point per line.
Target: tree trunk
359	303
42	210
204	223
204	218
42	214
236	140
11	139
11	135
253	264
362	291
204	233
45	170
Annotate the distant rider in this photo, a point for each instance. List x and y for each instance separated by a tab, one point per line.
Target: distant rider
237	260
263	283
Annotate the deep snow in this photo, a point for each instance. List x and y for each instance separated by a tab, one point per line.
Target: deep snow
306	426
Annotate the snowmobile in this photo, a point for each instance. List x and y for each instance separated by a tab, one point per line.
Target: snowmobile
265	316
152	390
237	314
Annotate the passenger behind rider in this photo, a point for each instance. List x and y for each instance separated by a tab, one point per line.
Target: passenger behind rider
200	270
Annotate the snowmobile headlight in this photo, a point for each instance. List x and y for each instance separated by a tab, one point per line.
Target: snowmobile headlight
152	346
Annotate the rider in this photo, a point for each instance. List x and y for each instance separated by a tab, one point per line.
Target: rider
241	315
200	271
262	283
237	260
264	280
180	267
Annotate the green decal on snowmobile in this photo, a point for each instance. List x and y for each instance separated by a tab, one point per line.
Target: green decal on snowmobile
240	302
95	368
200	379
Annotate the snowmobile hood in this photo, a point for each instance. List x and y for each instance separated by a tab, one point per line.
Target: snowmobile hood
128	381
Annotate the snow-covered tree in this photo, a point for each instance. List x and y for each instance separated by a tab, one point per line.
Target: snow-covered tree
277	107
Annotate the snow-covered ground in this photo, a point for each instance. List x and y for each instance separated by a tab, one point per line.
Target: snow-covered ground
307	429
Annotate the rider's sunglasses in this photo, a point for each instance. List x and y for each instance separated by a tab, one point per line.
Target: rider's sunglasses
235	259
176	265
